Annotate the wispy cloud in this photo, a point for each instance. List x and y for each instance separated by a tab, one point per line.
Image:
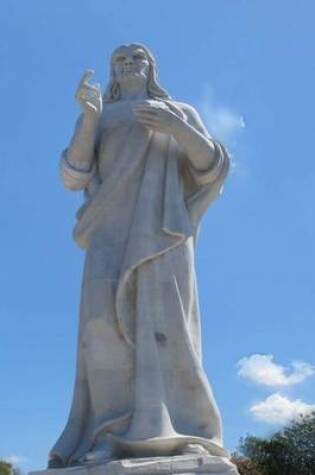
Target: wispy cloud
261	369
16	459
278	409
223	122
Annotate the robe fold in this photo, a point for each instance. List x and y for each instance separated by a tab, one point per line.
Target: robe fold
140	387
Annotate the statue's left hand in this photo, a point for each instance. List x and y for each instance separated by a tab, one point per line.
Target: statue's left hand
157	118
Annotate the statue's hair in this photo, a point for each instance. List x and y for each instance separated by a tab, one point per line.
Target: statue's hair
155	91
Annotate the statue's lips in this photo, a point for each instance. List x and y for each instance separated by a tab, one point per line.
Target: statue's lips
130	71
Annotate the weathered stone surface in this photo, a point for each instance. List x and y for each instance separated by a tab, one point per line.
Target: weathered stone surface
149	170
185	464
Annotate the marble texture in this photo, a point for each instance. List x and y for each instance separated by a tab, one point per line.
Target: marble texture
177	465
149	170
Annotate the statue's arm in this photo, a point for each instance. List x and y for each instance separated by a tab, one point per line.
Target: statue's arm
78	160
77	165
207	157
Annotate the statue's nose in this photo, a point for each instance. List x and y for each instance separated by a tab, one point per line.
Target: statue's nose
128	61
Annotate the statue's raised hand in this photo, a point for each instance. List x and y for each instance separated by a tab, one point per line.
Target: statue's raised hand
89	96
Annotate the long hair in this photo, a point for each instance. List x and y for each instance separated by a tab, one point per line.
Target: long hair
155	91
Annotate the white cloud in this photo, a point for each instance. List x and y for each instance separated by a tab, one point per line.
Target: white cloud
15	459
278	409
261	369
223	122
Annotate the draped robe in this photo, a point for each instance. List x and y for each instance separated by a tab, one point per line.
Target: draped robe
140	388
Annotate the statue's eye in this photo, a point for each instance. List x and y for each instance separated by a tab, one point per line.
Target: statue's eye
139	56
119	59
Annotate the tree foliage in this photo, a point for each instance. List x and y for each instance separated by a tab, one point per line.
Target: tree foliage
5	468
246	466
290	451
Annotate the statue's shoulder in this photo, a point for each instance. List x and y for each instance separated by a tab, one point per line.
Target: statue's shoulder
188	109
193	116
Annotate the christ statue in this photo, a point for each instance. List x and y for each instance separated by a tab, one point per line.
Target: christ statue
149	170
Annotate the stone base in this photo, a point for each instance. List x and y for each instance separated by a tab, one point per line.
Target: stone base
176	465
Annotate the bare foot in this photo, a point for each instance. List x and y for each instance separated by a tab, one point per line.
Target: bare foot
194	449
97	455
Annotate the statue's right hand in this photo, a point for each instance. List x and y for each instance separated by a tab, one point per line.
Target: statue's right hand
89	96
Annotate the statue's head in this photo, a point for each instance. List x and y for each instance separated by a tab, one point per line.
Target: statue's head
133	62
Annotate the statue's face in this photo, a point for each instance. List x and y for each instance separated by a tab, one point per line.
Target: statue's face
130	64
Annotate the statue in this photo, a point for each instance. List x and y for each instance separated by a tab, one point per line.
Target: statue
149	170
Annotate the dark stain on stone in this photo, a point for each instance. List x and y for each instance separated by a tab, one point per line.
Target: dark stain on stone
192	386
160	338
203	426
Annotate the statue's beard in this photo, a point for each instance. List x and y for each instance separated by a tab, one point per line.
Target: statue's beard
132	73
133	78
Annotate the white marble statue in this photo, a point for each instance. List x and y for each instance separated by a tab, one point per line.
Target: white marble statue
149	170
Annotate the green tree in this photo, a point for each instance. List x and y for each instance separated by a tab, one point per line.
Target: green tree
5	468
246	466
290	451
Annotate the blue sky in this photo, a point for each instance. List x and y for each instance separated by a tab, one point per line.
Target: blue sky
248	66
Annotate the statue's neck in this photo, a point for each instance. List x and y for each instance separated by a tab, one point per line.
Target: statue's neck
133	91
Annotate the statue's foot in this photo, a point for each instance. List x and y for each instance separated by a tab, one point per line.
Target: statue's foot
55	462
194	449
100	455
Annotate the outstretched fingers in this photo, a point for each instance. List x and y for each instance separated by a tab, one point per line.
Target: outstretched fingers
86	77
146	111
84	82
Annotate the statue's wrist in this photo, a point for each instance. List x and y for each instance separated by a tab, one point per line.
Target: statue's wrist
177	128
91	114
90	120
